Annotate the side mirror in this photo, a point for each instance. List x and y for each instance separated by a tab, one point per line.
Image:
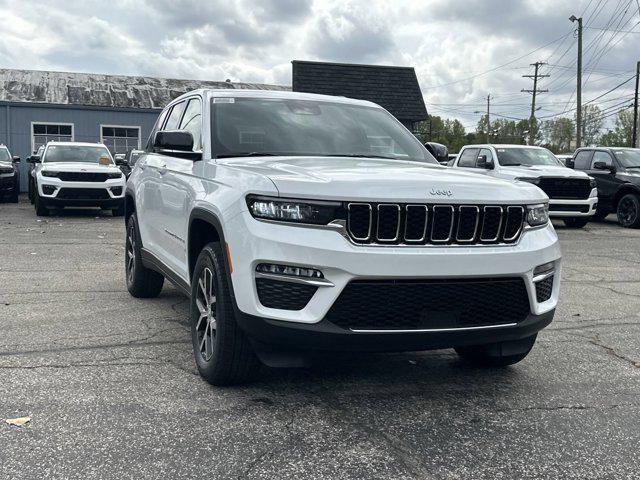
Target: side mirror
16	159
177	143
120	161
483	162
35	159
604	166
569	163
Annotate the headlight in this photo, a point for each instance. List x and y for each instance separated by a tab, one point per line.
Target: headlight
49	173
114	175
592	182
538	214
297	211
5	170
533	180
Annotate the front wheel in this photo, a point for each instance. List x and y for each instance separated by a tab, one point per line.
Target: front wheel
41	209
576	222
497	354
119	211
629	211
222	352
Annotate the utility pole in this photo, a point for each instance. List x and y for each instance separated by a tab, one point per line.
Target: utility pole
488	117
532	118
634	137
579	85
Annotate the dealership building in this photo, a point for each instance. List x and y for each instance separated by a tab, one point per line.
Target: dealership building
39	106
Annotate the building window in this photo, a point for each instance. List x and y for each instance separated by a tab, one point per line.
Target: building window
120	139
41	133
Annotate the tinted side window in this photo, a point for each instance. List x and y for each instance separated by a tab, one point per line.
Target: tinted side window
601	157
191	122
174	117
468	158
581	160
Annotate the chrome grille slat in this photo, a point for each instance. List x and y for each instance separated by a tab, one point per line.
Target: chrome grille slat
429	224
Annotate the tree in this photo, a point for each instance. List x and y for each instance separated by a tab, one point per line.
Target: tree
558	133
448	132
621	134
592	122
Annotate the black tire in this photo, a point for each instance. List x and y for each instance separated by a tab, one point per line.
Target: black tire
497	355
142	282
600	215
222	352
31	195
14	197
629	211
38	203
575	222
119	211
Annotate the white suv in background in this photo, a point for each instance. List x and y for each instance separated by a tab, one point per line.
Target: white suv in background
300	223
573	195
74	174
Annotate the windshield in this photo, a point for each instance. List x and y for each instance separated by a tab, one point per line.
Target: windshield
4	155
254	126
526	156
77	153
628	158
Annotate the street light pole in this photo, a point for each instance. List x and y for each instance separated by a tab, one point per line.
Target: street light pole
573	18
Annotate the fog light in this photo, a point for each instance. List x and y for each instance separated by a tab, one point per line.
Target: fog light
289	270
544	268
117	191
48	189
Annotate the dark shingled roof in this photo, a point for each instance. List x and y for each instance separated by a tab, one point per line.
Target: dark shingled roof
115	91
394	88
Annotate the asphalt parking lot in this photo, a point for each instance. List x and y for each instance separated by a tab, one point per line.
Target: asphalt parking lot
111	386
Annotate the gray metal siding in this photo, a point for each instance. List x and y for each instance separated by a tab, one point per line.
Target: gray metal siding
86	126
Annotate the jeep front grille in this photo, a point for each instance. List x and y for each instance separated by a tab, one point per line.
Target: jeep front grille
411	224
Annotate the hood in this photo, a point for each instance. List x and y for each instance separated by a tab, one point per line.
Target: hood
344	178
541	171
78	167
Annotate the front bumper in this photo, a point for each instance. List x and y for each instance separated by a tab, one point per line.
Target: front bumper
574	208
8	183
112	191
252	242
325	336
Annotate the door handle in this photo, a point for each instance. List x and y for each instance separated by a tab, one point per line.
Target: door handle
162	169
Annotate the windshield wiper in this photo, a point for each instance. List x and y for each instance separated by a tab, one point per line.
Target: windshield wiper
248	154
633	166
514	165
356	155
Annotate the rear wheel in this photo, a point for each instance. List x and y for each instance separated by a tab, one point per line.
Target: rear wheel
14	196
142	282
31	194
497	354
629	211
576	222
222	352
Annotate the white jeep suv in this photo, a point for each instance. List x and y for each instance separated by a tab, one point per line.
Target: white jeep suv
573	195
74	174
300	223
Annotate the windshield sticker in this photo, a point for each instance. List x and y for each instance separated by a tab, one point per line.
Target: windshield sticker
224	100
104	161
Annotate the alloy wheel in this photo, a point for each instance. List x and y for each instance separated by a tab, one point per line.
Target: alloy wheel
627	211
131	253
207	324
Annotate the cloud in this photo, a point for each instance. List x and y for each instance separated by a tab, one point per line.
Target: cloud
454	45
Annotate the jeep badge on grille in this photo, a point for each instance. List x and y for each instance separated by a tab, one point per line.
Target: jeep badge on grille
441	193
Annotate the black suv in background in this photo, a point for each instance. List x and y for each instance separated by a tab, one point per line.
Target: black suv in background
9	175
617	173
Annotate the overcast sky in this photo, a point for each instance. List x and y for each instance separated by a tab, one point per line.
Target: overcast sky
451	44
